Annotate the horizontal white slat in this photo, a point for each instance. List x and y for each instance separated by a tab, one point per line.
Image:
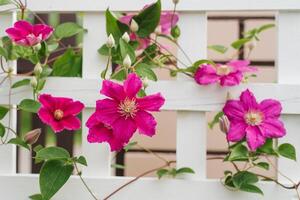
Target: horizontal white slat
184	5
180	95
20	187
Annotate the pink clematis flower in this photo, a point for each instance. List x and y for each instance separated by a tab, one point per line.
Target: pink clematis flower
25	34
230	74
253	121
59	112
120	115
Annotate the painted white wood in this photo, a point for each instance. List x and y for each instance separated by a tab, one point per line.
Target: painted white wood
191	126
97	155
184	5
8	152
19	187
288	73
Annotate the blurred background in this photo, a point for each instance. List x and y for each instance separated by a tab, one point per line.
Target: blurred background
223	29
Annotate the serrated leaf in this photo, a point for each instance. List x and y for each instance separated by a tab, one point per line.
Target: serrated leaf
30	105
19	142
68	29
21	83
218	48
52	153
288	151
3	112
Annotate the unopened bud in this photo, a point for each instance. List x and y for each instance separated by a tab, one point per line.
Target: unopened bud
32	136
33	82
175	1
110	41
38	69
134	27
127	62
126	37
224	124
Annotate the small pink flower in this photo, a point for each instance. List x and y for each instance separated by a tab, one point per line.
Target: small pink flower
253	121
59	112
230	74
25	34
123	113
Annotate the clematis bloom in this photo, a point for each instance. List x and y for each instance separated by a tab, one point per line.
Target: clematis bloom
253	121
123	112
25	34
59	112
230	74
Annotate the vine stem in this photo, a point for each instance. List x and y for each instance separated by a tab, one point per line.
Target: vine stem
167	164
83	181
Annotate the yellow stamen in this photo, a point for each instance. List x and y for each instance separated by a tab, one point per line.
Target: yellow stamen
128	108
58	114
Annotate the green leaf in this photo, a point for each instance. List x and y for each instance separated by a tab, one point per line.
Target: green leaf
37	148
141	93
52	153
238	153
239	43
144	70
263	165
2	130
267	148
4	2
82	160
288	151
103	50
30	105
175	32
126	49
244	178
218	48
185	170
148	19
115	27
129	146
251	188
3	52
46	72
119	75
203	61
54	174
36	197
21	83
3	111
19	142
161	172
265	27
68	29
10	48
117	166
215	120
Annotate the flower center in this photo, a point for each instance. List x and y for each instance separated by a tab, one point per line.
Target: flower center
58	114
223	70
254	118
128	108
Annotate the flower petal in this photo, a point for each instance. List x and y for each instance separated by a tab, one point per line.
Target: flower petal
231	79
71	123
73	108
146	123
47	101
234	110
62	102
113	90
126	19
24	26
132	85
167	20
249	100
43	30
45	115
270	108
272	128
57	126
124	129
151	102
254	137
107	111
237	131
98	133
15	34
242	65
206	75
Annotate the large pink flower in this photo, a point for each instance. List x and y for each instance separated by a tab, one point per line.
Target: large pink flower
252	120
230	74
123	113
59	112
25	34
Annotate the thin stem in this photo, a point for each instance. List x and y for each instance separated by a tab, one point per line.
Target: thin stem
107	64
153	153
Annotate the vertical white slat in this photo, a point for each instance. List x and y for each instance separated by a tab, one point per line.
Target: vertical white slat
191	126
8	152
288	73
98	155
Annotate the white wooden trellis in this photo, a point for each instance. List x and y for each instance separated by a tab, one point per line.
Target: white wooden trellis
190	100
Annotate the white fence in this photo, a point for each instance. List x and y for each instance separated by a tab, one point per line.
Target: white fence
188	99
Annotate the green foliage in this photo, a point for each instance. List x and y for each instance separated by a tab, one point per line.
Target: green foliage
239	43
238	152
117	166
130	146
2	130
144	70
244	181
148	19
215	120
114	26
3	111
126	49
21	83
20	142
81	160
175	32
173	172
218	48
267	148
36	197
29	105
263	165
52	153
287	150
4	2
68	29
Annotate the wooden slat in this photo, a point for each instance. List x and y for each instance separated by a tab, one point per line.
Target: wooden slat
20	187
98	156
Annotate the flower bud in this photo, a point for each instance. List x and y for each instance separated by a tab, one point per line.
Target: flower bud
175	1
127	62
110	41
145	82
134	27
224	124
33	82
38	69
126	37
32	136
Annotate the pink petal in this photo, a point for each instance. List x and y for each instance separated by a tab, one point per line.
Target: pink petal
270	108
146	123
132	85
107	111
62	102
24	26
57	126
124	129
116	145
249	100
255	139
151	102
126	19
99	133
234	110
47	101
43	30
237	131
113	90
45	115
272	128
15	34
71	123
92	121
166	21
242	65
73	108
206	75
231	79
